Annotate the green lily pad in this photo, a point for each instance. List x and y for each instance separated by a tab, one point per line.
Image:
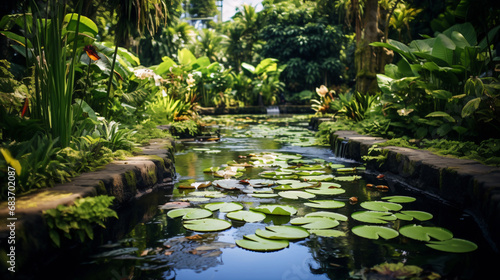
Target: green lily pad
209	224
327	232
319	178
381	206
454	245
292	185
228	174
278	175
195	199
261	182
255	243
399	199
311	167
310	173
247	216
348	178
196	185
332	215
329	185
206	193
284	210
326	191
296	194
189	213
315	222
425	233
374	217
347	169
409	215
263	195
374	232
211	169
228	184
336	165
224	206
325	204
282	232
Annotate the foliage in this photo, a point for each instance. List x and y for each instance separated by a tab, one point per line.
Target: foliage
354	106
322	105
79	219
266	84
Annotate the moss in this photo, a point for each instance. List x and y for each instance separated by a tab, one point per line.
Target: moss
152	178
101	188
131	180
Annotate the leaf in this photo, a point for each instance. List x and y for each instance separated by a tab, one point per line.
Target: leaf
282	232
196	185
165	66
174	205
189	213
332	215
454	245
228	184
375	232
327	232
284	210
315	222
292	184
381	206
419	215
325	204
86	25
348	178
224	206
374	217
209	224
441	114
14	163
263	195
247	216
326	191
211	169
425	233
319	178
471	107
443	48
399	199
186	57
255	243
296	194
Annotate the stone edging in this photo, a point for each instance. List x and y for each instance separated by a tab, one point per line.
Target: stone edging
466	184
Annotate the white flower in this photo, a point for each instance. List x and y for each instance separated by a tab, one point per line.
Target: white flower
322	90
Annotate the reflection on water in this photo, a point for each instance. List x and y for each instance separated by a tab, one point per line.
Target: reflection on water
154	246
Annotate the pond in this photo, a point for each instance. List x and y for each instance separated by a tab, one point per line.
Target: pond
153	243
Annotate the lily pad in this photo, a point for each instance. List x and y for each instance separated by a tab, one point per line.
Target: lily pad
223	206
332	215
319	178
326	191
206	193
409	215
315	222
211	169
228	184
195	199
228	174
399	199
311	167
336	165
292	185
348	178
454	245
327	232
264	195
197	185
246	216
284	210
381	206
310	173
374	232
278	175
425	233
174	205
374	217
256	183
255	243
189	213
283	232
207	225
325	204
296	194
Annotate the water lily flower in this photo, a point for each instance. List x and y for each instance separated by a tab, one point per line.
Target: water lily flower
322	90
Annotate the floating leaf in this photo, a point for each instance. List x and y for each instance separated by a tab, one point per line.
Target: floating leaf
278	175
348	178
326	191
263	195
327	232
228	184
454	245
296	194
211	169
224	206
332	215
256	243
381	206
310	173
319	178
336	165
315	222
292	184
189	213
247	216
195	199
399	199
228	174
197	185
282	232
374	232
207	225
256	183
175	205
373	217
325	204
410	215
311	167
425	233
276	209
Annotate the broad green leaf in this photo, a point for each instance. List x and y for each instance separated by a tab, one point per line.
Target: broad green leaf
86	25
224	206
255	243
185	57
189	213
310	173
454	245
319	178
327	232
14	163
195	199
374	232
466	30
283	232
419	215
228	184
471	107
425	233
263	195
165	66
315	222
326	191
207	193
261	183
399	199
284	210
347	178
211	169
332	215
441	114
311	167
296	194
292	184
325	204
381	206
247	216
443	48
205	225
336	165
374	217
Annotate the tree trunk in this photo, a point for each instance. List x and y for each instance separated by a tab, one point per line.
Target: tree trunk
370	60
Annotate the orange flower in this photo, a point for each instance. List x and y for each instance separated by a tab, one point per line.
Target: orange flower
91	52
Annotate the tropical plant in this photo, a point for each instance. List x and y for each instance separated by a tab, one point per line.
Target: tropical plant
355	106
266	82
322	105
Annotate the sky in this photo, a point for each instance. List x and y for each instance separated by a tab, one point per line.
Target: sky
229	7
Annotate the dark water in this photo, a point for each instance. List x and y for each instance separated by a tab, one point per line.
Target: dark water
146	244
